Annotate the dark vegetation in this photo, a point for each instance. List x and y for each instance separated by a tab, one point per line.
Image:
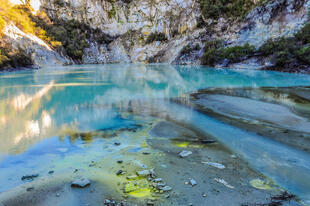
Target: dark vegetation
214	9
14	59
215	52
290	51
156	37
188	49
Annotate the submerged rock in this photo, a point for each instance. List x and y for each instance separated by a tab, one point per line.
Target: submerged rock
29	177
120	172
185	153
170	130
255	111
29	189
144	173
166	188
81	183
117	143
158	180
132	177
222	181
214	164
192	182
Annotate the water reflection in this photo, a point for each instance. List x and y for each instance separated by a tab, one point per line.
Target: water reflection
80	101
91	97
22	101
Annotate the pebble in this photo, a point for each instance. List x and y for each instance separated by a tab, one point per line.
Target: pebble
208	141
150	203
224	183
153	174
81	183
143	173
158	180
57	194
192	182
166	188
120	172
29	177
214	164
204	195
107	201
185	153
29	189
233	156
132	177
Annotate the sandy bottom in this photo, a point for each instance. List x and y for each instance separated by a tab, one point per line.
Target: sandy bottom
156	145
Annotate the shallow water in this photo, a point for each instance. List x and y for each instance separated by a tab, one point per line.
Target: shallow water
42	111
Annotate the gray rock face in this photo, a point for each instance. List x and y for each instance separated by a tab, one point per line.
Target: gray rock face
131	24
275	19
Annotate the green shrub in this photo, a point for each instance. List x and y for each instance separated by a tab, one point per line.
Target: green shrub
303	55
212	52
215	9
304	34
215	52
283	58
237	53
287	50
281	44
186	49
156	37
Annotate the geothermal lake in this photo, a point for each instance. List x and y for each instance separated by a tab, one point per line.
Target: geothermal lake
245	133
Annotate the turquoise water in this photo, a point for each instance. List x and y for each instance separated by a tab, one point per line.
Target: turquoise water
39	107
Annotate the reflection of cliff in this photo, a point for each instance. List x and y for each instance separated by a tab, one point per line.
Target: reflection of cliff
87	98
23	119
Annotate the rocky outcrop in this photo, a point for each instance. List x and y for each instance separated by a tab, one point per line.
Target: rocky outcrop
275	19
130	24
38	51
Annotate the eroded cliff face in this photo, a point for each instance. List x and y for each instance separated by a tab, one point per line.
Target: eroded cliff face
275	19
130	23
169	31
38	52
